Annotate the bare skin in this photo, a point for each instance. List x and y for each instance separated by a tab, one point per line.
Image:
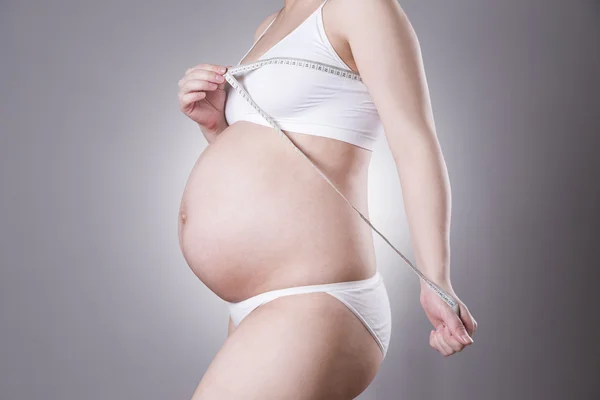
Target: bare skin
302	354
256	217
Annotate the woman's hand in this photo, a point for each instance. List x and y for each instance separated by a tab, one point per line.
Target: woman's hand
452	332
202	96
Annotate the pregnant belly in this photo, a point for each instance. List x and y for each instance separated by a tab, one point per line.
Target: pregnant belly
256	216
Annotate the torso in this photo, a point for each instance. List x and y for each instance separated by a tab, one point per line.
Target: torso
255	216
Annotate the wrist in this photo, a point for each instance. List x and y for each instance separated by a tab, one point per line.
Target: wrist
214	128
210	132
444	283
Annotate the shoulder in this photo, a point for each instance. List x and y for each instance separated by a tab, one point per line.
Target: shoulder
388	57
264	23
358	17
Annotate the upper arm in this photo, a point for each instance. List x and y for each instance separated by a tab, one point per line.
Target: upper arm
387	54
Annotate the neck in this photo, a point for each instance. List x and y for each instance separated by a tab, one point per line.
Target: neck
292	4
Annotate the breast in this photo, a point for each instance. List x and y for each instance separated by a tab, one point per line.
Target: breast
284	92
307	101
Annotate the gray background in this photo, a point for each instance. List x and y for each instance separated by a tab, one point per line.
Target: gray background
96	300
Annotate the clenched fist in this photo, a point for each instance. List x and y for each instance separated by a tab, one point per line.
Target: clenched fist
452	332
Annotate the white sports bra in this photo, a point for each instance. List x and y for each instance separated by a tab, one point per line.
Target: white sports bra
303	100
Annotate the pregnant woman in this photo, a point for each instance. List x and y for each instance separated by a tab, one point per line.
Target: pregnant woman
309	314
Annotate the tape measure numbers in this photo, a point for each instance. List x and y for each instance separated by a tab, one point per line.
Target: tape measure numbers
344	73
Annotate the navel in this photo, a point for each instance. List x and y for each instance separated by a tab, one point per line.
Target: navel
182	213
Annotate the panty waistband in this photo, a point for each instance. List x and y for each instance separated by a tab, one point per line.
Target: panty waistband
322	287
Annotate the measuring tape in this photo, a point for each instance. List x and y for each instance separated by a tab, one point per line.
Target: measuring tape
344	73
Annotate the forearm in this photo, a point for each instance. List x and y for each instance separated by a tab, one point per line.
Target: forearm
427	201
211	133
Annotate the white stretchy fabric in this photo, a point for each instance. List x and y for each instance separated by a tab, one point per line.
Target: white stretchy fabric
321	104
257	97
367	299
305	101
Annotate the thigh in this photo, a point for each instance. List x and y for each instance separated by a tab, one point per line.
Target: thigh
303	346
